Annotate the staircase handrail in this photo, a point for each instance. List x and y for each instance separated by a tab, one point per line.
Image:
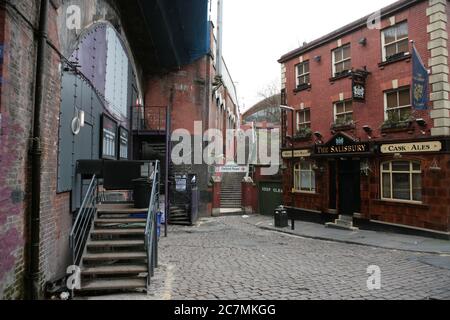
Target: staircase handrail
151	237
81	227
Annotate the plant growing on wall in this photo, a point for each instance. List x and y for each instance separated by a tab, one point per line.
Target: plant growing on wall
303	133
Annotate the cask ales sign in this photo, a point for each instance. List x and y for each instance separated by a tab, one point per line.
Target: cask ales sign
417	147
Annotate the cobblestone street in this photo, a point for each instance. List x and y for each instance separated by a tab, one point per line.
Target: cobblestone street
231	258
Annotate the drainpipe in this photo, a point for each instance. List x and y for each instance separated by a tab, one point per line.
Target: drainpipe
219	37
36	155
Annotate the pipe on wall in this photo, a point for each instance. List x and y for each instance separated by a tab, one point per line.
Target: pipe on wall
33	269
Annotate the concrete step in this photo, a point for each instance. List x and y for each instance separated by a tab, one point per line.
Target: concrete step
115	256
119	284
118	232
119	221
115	243
115	270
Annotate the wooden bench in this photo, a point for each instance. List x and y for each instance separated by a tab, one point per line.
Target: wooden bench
297	213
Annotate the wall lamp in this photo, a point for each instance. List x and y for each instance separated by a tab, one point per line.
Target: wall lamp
421	122
318	135
363	41
367	129
317	58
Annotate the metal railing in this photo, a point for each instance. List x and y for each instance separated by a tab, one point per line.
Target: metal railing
150	118
83	222
151	236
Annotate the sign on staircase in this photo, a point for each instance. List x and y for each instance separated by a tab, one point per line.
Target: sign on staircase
232	169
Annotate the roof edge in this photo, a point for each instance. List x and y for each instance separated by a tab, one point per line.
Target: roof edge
386	11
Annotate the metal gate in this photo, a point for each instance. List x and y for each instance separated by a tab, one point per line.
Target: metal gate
270	197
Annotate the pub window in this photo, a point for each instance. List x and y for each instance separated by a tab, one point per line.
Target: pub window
343	112
304	177
303	119
398	104
342	60
401	181
302	72
395	41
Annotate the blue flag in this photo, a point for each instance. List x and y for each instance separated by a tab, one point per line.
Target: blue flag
420	83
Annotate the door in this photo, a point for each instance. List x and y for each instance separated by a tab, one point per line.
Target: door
349	187
270	197
333	186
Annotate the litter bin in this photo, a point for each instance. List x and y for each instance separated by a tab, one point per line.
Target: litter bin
142	192
281	217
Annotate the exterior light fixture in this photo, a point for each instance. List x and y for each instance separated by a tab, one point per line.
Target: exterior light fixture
421	122
317	58
318	134
82	118
363	41
367	129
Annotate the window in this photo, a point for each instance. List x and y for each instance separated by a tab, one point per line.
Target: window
401	180
109	139
343	112
398	104
123	146
304	177
342	60
395	41
302	71
303	119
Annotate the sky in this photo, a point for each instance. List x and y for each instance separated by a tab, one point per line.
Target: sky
256	33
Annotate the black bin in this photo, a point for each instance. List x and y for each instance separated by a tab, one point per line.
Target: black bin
281	217
142	193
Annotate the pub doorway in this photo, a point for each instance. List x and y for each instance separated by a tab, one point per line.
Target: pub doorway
349	186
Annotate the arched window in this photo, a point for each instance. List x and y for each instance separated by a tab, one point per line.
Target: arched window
401	181
304	177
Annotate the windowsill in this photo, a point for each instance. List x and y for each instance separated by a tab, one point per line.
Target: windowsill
302	88
341	76
311	193
394	60
300	139
412	204
346	127
396	130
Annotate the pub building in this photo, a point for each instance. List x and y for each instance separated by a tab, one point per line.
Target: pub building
359	150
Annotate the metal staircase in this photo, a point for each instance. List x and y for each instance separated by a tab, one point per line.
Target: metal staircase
115	244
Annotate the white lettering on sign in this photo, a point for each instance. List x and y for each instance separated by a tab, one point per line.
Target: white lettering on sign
296	154
433	146
231	169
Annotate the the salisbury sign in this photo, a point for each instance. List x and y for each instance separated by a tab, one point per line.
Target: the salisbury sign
342	144
431	146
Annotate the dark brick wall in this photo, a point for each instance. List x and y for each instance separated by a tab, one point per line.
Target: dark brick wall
16	108
192	101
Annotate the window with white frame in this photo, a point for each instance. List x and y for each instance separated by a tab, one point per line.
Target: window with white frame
395	41
398	104
302	73
304	119
401	181
343	112
304	177
342	60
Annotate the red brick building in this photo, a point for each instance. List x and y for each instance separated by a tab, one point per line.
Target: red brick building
368	154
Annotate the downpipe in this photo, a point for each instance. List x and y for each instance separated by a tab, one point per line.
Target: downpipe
33	274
